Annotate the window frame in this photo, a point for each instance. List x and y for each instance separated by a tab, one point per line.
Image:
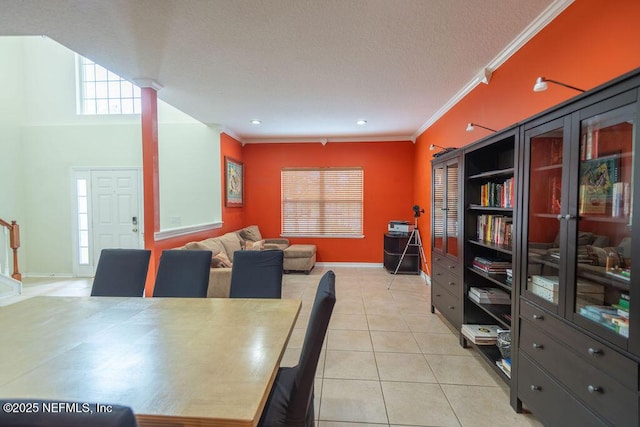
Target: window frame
323	203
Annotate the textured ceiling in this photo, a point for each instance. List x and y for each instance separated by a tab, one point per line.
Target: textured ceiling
306	68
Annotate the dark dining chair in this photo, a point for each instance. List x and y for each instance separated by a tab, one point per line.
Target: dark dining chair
256	274
54	413
121	273
183	273
290	402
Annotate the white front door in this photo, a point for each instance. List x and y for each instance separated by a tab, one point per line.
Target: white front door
115	210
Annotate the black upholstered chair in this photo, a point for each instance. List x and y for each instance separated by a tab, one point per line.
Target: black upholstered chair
74	414
183	273
290	401
256	274
121	273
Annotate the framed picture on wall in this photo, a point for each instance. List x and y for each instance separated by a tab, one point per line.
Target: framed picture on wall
233	182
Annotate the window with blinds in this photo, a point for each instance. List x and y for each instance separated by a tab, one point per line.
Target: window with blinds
322	202
450	175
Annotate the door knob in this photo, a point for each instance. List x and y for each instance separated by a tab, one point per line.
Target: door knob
135	230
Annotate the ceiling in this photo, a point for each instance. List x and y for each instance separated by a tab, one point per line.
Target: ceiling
308	69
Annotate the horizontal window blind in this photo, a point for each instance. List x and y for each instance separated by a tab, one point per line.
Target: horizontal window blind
451	189
322	201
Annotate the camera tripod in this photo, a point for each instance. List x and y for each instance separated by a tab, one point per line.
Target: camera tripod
414	240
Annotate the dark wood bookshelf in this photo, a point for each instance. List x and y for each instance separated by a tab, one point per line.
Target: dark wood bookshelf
495	278
501	248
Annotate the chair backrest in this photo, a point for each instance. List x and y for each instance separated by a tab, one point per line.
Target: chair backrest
323	304
121	273
183	273
257	274
51	413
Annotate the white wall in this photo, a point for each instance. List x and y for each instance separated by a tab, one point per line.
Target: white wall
49	139
11	115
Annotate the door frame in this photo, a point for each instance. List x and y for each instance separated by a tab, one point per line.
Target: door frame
88	270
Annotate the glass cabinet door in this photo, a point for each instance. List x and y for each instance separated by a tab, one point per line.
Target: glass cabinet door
545	204
438	208
452	210
602	258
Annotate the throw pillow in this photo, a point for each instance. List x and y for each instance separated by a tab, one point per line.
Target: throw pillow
220	260
254	246
251	233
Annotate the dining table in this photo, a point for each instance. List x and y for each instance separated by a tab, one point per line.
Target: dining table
174	361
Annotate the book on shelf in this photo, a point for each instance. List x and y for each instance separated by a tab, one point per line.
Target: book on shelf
496	229
491	265
555	194
497	194
505	366
623	274
480	334
489	296
617	199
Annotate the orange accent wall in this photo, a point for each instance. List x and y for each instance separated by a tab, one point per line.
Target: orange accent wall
388	190
590	43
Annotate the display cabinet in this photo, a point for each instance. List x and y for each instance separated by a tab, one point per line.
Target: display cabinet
578	295
446	281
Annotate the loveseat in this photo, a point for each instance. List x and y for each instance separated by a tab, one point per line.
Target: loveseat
223	247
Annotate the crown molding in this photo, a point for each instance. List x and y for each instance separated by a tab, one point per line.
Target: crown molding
325	140
146	82
548	15
232	134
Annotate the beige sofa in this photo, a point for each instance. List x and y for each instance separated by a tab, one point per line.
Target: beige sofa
220	278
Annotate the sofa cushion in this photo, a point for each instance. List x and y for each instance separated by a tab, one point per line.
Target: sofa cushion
220	260
231	242
251	233
212	244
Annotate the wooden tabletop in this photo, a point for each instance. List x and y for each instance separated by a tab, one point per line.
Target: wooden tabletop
177	361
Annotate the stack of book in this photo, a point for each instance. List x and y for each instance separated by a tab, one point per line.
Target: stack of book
480	334
545	287
610	317
491	265
489	296
509	275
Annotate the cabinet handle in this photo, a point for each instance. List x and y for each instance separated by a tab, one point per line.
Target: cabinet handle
451	283
536	345
538	317
438	295
594	351
438	274
452	266
559	217
438	259
535	387
451	307
567	216
594	389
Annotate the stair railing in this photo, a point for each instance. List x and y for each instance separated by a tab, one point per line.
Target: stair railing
14	244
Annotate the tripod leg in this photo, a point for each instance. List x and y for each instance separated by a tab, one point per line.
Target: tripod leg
424	259
411	236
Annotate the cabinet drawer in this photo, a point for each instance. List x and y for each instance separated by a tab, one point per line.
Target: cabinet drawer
447	280
441	264
548	400
596	353
447	304
602	393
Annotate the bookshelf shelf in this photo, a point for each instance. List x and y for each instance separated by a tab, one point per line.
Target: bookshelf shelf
497	279
500	248
500	313
481	208
492	174
606	219
547	168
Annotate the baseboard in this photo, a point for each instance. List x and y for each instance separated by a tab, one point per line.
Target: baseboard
51	275
350	264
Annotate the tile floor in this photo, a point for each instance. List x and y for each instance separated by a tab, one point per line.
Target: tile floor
387	361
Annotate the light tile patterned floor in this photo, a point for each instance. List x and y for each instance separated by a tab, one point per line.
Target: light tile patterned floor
387	361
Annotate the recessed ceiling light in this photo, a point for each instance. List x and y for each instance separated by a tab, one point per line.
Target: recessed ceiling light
255	122
361	122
